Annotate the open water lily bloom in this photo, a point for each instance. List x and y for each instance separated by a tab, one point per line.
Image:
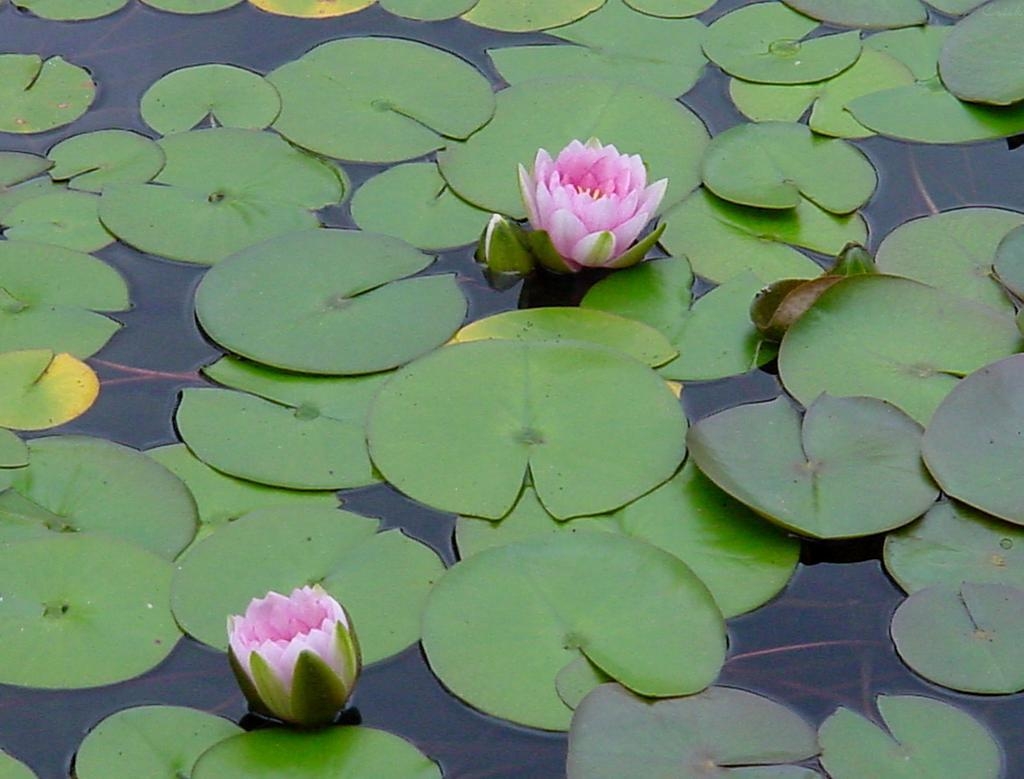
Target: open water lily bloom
296	657
588	205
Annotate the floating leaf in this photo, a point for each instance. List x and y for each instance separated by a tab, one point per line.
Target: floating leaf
410	108
810	475
549	113
40	389
671	8
427	10
526	15
16	167
77	484
656	293
1009	261
967	637
559	324
13	451
768	42
775	164
500	626
414	203
312	9
382	578
863	13
844	343
221	190
71	10
64	218
10	768
916	47
974	444
955	7
953	251
93	160
48	296
151	741
36	96
614	734
82	610
192	6
459	428
953	543
329	301
224	95
922	737
352	752
982	60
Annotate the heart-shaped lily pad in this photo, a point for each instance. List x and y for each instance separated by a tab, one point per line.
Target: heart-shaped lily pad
352	752
954	543
329	301
77	484
71	10
192	6
382	578
982	61
809	475
459	428
863	13
423	97
843	344
82	610
427	10
500	626
549	113
17	166
152	741
614	734
775	164
36	96
769	43
975	441
13	451
671	9
220	191
12	768
62	218
40	389
922	737
93	160
312	9
526	15
49	295
967	637
1009	261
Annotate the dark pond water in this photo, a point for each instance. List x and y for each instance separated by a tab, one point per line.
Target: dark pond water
822	644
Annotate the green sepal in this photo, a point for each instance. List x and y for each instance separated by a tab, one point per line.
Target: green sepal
270	690
637	253
318	694
853	260
502	248
247	687
545	253
352	653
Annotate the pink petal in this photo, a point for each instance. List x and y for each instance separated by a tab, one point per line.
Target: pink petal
652	196
528	189
626	233
565	230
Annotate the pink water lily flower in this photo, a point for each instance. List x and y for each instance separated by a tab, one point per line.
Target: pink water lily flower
592	202
296	657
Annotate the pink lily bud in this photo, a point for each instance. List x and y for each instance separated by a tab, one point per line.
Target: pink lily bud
588	205
295	657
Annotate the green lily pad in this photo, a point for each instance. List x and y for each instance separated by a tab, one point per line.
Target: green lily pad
549	114
150	741
671	9
71	10
656	293
863	13
49	296
921	737
955	7
220	191
224	95
616	734
953	251
329	301
279	753
191	6
312	9
382	578
40	389
527	15
968	637
459	428
427	10
500	626
221	498
77	484
872	72
810	475
13	451
844	343
1009	261
768	43
974	442
723	240
557	324
11	768
36	96
982	60
916	47
743	560
410	108
93	160
10	197
414	203
775	164
954	543
82	610
64	218
17	166
617	44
